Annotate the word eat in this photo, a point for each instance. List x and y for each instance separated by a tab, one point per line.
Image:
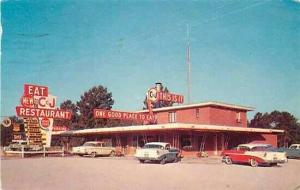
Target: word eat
34	90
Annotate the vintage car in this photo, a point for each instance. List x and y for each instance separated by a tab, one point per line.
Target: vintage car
292	152
254	154
94	148
158	152
19	145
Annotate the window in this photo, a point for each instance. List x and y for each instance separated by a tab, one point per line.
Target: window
153	146
238	117
244	148
172	117
197	113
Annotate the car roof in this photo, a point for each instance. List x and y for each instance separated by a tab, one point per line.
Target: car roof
95	142
254	145
18	141
295	144
157	143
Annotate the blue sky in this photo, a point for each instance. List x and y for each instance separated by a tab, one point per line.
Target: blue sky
242	52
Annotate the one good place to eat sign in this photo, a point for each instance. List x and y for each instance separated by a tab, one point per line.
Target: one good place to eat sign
110	114
38	108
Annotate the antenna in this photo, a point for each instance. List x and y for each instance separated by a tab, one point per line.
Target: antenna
188	62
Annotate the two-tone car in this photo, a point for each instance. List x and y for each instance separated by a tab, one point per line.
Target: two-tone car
292	152
158	152
254	154
95	148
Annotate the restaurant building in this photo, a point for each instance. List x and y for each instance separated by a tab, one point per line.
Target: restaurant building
208	127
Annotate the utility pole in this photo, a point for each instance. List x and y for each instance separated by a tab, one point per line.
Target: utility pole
188	62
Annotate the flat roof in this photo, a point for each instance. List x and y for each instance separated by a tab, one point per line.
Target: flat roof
168	127
211	103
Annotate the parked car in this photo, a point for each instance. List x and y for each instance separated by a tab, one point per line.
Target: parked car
95	148
292	152
158	152
254	154
17	145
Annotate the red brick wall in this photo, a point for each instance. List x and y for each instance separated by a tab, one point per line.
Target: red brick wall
224	116
264	138
207	115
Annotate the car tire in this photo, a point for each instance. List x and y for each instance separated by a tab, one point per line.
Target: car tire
227	160
253	163
93	154
163	161
142	161
112	154
177	159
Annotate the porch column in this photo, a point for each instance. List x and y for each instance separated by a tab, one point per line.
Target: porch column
216	144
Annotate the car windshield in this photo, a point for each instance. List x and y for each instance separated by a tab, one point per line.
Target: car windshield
152	146
89	144
293	147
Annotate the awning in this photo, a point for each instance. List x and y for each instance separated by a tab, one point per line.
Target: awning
167	127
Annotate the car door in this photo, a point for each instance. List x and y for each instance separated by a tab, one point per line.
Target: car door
169	154
238	155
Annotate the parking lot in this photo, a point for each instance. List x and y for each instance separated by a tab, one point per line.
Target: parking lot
126	173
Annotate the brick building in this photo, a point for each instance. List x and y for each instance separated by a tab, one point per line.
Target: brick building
204	127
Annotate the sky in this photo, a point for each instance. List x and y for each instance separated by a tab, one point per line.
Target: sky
242	52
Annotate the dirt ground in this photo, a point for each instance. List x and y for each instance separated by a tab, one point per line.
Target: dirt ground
126	173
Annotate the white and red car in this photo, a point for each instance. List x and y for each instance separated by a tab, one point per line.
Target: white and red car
254	154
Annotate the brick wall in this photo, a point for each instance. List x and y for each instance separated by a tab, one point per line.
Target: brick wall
207	115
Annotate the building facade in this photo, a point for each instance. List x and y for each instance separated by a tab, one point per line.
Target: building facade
208	127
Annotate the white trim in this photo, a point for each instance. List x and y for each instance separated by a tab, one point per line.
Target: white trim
233	106
168	126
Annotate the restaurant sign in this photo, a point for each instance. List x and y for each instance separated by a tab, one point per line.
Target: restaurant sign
38	108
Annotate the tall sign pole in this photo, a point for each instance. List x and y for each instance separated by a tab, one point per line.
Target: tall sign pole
188	62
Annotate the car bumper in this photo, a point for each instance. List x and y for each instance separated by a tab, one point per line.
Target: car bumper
79	152
275	161
149	158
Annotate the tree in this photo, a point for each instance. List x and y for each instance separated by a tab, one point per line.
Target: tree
279	120
73	122
96	97
161	103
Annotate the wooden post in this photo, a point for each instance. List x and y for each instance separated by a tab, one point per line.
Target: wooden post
22	151
216	144
44	151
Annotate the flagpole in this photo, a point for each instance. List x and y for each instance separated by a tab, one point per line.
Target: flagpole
188	61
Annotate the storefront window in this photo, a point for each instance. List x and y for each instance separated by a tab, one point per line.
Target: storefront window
186	142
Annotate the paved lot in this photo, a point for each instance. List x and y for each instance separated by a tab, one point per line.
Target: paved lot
126	173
